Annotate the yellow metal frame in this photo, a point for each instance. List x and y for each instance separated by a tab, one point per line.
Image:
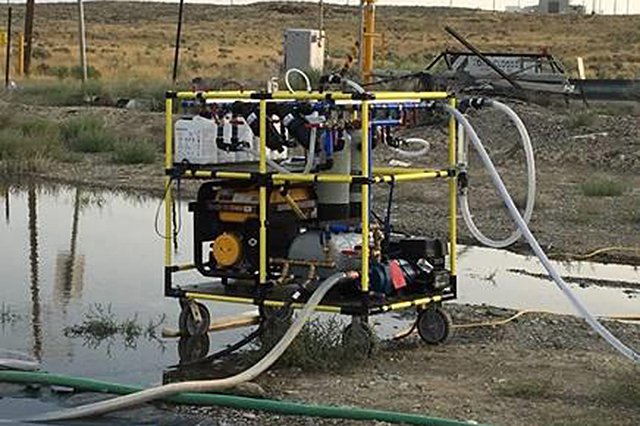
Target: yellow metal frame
368	175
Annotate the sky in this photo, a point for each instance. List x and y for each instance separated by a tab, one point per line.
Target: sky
602	6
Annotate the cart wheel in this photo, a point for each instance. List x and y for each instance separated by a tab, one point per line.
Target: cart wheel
434	325
193	348
358	338
188	324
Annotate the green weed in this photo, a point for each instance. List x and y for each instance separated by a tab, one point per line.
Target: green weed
603	186
526	389
581	119
134	152
100	324
318	347
87	133
623	389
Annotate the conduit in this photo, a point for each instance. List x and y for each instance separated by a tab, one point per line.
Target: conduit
229	401
526	232
164	391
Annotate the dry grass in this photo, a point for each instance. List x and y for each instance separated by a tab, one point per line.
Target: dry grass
129	40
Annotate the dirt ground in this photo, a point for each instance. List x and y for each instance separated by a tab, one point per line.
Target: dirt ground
539	369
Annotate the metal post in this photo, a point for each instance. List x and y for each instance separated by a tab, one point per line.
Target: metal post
7	65
28	35
176	54
21	55
368	34
83	41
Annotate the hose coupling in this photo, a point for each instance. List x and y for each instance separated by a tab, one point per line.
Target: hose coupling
463	180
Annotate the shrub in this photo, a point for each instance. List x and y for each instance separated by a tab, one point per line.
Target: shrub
581	119
603	186
86	133
134	152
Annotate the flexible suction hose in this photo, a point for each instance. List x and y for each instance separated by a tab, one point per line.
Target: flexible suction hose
164	391
13	360
524	229
531	184
230	401
410	153
302	74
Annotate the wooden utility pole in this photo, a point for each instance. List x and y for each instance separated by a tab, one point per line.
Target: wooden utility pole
7	69
176	53
83	41
28	35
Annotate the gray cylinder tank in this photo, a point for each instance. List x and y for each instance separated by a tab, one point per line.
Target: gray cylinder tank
333	198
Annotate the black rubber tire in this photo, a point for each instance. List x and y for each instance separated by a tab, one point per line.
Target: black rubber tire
358	338
187	324
193	348
434	325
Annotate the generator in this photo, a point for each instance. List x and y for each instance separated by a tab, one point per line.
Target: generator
293	205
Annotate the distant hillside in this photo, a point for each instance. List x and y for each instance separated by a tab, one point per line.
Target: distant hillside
128	39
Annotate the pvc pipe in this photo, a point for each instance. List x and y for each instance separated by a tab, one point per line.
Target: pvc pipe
531	184
123	402
302	74
230	401
526	232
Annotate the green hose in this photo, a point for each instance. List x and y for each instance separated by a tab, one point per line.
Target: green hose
230	401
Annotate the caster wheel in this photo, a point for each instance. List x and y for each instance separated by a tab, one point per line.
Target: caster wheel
434	325
188	324
193	348
358	338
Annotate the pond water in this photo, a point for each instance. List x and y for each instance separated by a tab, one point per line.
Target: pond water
64	250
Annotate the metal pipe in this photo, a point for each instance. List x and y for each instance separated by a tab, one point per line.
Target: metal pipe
482	57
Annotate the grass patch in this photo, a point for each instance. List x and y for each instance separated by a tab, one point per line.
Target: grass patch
100	324
70	92
623	389
526	389
603	186
318	347
134	152
87	133
581	119
28	144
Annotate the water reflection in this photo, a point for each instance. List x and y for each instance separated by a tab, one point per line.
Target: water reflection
70	267
6	204
36	324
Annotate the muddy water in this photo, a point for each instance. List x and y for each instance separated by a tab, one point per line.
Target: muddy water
66	249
